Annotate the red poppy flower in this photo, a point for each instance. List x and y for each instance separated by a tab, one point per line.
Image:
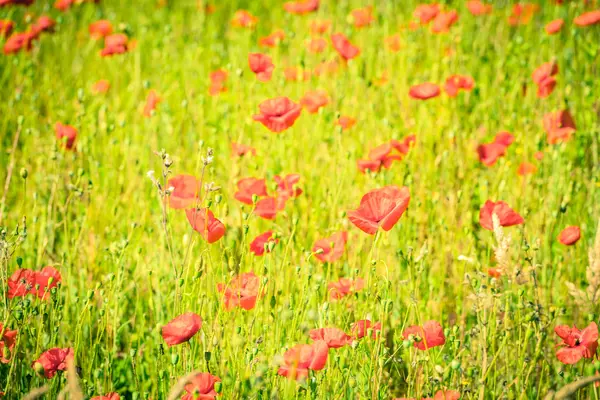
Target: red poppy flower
204	222
380	208
494	272
345	122
20	283
559	126
333	337
361	328
362	17
242	291
477	7
185	190
8	341
570	235
539	155
302	357
522	13
53	360
443	21
16	2
446	395
18	41
296	74
332	247
100	29
342	45
201	387
506	215
543	77
588	18
259	245
431	334
278	114
456	82
261	65
243	19
345	287
314	99
217	82
102	86
316	45
266	208
273	39
240	150
426	12
117	43
248	188
6	27
318	27
66	135
405	145
181	329
45	280
424	91
301	7
371	165
526	169
151	102
286	189
326	68
393	42
108	396
63	5
576	344
554	26
490	152
42	24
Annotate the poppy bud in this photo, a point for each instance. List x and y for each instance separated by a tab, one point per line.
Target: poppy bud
24	173
218	199
319	251
238	329
218	387
207	356
591	317
174	358
181	281
38	368
271	245
455	364
406	344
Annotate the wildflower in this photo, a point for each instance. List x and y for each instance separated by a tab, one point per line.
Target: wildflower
424	91
260	244
66	135
333	337
426	12
330	249
108	396
506	215
443	21
587	19
116	43
522	13
543	77
243	19
360	328
240	150
559	126
273	39
100	29
526	168
344	47
102	86
6	27
362	17
202	387
8	340
570	235
185	190
456	82
181	329
316	45
18	41
489	153
151	102
345	287
554	26
313	100
204	222
278	114
261	65
250	187
345	122
301	7
53	360
477	7
217	82
242	291
576	344
380	208
303	357
431	334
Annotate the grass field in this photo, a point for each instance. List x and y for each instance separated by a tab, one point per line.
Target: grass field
125	200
